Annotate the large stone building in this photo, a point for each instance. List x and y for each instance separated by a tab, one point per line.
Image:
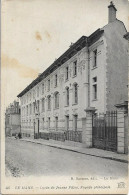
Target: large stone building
93	72
12	119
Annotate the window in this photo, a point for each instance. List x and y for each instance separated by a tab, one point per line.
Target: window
37	106
67	123
27	110
43	124
34	108
56	80
67	73
43	88
49	102
56	100
43	105
48	122
37	91
75	68
95	79
94	88
30	109
56	123
75	93
30	96
67	96
49	85
33	94
95	58
75	122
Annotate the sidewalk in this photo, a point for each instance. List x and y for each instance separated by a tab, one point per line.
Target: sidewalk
77	147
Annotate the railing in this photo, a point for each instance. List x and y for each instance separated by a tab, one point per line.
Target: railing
105	130
44	135
74	136
60	136
25	135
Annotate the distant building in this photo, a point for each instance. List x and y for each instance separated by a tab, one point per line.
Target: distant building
12	119
93	72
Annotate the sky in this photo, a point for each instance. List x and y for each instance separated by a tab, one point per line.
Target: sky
36	32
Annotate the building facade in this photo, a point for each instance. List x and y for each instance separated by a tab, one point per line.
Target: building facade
12	119
93	72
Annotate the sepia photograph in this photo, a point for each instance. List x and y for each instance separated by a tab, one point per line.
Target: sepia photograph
64	96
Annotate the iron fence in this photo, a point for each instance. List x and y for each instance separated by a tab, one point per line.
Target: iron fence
105	131
75	136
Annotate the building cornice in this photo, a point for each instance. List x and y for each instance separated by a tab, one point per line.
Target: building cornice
74	49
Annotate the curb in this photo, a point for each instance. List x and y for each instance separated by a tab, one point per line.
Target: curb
72	150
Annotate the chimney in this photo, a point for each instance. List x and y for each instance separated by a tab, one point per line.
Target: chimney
111	12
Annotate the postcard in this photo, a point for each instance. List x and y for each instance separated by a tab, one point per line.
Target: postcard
64	97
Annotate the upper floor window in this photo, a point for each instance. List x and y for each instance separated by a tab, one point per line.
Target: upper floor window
33	94
27	110
38	106
34	107
30	96
48	84
30	109
94	88
38	91
56	80
43	88
95	58
43	105
75	68
67	73
56	100
67	96
75	93
49	102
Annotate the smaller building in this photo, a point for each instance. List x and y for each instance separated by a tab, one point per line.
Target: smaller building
12	119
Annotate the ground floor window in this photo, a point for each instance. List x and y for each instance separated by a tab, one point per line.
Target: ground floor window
67	122
56	123
48	122
43	123
75	122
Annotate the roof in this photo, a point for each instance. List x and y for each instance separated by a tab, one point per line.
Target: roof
74	48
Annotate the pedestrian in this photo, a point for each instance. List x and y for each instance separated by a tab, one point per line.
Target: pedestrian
19	135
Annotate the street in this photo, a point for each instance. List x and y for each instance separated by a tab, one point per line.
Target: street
25	159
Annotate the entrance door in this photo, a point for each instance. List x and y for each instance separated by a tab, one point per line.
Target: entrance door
105	131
